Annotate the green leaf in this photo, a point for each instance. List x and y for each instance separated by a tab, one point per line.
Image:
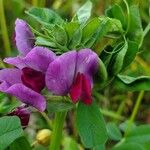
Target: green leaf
90	29
10	130
59	106
124	125
129	83
135	31
102	72
45	16
101	31
129	146
120	59
84	13
44	42
116	12
140	134
131	53
20	144
71	28
91	125
59	34
76	39
113	132
99	147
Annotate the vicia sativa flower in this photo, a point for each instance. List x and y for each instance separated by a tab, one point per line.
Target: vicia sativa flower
72	73
28	78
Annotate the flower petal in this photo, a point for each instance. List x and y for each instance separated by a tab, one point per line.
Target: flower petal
76	88
11	76
60	73
27	96
86	95
24	37
16	61
87	63
39	58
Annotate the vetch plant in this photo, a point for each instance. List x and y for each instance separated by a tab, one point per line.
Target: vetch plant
63	70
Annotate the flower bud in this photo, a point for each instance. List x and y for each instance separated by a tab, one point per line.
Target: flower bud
23	113
43	137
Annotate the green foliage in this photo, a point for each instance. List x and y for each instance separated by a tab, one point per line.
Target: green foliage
102	72
10	130
113	132
140	134
135	31
59	106
84	13
133	83
91	125
120	58
45	16
129	146
138	139
116	12
20	144
70	144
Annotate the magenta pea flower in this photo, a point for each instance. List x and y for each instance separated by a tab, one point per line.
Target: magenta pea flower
24	37
27	80
23	113
72	73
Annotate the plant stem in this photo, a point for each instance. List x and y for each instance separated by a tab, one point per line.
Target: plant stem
112	114
128	15
57	131
134	112
47	119
4	30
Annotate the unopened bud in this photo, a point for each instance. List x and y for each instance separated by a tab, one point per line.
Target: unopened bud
43	137
23	113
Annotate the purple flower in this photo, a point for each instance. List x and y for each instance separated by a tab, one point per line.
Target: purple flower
72	73
23	113
24	37
28	79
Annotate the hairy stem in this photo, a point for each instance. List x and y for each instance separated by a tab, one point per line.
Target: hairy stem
57	131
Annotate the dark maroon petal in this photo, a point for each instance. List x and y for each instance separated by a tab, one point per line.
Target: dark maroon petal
86	95
76	88
23	113
33	79
81	89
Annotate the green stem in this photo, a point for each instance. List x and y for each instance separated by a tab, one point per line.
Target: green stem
4	29
47	119
147	29
112	114
134	112
57	131
128	15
